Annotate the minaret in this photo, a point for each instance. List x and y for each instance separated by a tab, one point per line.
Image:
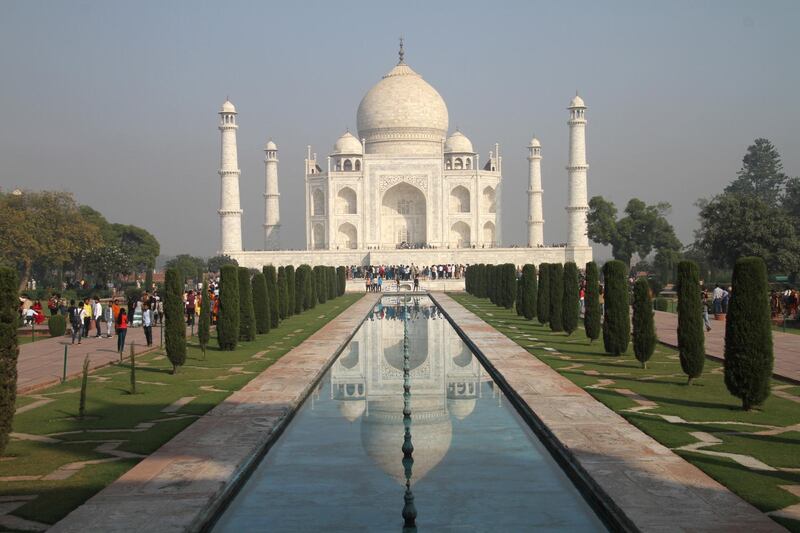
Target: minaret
272	214
577	206
535	220
230	213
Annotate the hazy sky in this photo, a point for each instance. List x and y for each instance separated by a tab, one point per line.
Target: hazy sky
117	101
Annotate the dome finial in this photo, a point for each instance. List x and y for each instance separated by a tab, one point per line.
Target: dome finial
401	53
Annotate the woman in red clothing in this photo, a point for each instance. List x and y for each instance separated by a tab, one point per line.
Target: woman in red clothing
122	329
37	306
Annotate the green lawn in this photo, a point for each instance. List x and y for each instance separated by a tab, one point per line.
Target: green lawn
134	422
706	406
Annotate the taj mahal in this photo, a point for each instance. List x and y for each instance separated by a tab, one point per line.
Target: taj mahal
404	191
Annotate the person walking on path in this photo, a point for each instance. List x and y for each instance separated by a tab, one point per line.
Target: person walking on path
122	329
97	314
75	313
108	315
87	317
147	324
704	303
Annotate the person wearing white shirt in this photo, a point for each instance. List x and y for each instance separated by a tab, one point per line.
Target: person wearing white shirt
97	313
147	324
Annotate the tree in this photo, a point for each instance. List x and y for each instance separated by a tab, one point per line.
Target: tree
187	266
529	291
283	293
543	295
571	304
174	325
106	263
482	291
319	279
218	261
642	229
734	225
591	303
290	290
261	303
272	295
556	296
204	322
508	285
691	340
299	291
490	286
311	280
665	265
519	302
228	314
341	279
761	175
333	284
139	246
644	328
9	351
748	334
247	315
616	320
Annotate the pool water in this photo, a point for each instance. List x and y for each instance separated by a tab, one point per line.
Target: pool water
475	465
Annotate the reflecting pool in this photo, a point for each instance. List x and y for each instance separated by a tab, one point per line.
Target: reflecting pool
446	453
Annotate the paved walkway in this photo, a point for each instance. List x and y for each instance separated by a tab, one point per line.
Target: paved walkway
182	484
786	345
649	487
41	363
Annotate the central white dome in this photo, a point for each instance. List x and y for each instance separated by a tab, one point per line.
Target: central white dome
403	113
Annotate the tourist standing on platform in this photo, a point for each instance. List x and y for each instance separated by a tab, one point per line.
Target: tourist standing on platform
380	283
147	324
122	329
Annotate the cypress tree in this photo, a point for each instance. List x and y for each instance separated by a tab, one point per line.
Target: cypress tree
519	303
341	278
467	274
299	289
529	292
543	294
509	285
644	328
616	321
570	306
333	284
272	295
283	293
261	303
321	290
748	334
174	325
204	321
9	351
311	282
556	296
484	284
691	340
591	302
490	282
228	315
247	315
309	300
148	279
290	287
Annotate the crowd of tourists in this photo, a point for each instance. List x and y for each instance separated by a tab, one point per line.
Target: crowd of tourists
784	303
377	276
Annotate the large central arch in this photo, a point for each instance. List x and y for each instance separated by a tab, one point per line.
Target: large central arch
403	218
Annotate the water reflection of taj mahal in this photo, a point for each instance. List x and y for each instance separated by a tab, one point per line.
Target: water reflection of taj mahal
367	381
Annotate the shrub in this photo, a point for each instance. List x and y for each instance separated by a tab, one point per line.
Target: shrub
556	296
204	321
290	288
299	289
174	324
490	282
272	295
57	325
9	351
341	279
591	302
319	284
508	285
644	328
529	292
616	319
247	315
519	303
661	303
543	295
570	306
748	334
261	303
84	386
228	314
691	340
333	284
308	292
283	293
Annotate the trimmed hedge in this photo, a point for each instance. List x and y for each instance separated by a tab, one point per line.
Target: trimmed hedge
247	315
283	293
570	306
341	279
9	351
591	302
290	287
308	287
556	297
174	318
270	276
519	303
204	321
616	319
529	291
644	328
748	334
57	325
691	339
320	290
543	297
228	314
261	303
508	285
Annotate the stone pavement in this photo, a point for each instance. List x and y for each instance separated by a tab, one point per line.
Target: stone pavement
41	363
646	486
181	485
786	346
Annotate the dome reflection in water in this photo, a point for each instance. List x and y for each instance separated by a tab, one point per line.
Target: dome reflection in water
341	466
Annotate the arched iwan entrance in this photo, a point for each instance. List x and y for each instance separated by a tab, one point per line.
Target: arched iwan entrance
403	216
